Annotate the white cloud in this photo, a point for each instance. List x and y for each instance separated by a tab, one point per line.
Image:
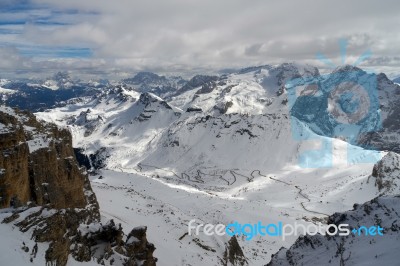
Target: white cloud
169	35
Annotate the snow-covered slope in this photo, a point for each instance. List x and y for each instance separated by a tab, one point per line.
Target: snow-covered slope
357	248
150	82
49	212
249	91
360	247
35	95
117	122
351	104
244	116
220	152
354	249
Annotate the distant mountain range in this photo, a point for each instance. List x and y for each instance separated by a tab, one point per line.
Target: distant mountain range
230	136
35	95
238	146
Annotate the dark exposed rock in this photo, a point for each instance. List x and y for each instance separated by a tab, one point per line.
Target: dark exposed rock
45	175
375	128
352	249
233	254
82	159
345	250
387	172
207	87
151	82
198	81
194	109
145	77
77	232
137	244
33	95
38	166
147	99
224	108
254	68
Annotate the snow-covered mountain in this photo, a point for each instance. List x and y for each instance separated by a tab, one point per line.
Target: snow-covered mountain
354	249
60	80
42	94
252	91
248	109
151	82
219	150
370	104
357	249
37	95
49	214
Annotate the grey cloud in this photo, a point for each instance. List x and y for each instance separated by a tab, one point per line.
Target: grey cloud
175	35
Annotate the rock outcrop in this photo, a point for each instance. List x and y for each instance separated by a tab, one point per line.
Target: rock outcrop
233	254
387	173
363	107
37	163
359	247
355	248
52	198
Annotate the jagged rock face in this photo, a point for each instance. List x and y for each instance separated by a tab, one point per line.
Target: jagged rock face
78	233
387	137
148	98
288	71
254	68
351	249
145	77
38	165
387	173
343	250
150	82
14	168
207	87
233	254
41	158
59	227
136	243
197	81
36	97
89	121
56	176
371	108
315	103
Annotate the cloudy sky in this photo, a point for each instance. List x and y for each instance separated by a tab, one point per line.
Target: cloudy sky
120	37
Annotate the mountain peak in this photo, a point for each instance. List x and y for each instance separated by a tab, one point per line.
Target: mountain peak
347	68
145	77
147	97
61	76
197	81
254	68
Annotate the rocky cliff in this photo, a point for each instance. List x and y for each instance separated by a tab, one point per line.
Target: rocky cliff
359	247
386	173
49	196
37	163
350	104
